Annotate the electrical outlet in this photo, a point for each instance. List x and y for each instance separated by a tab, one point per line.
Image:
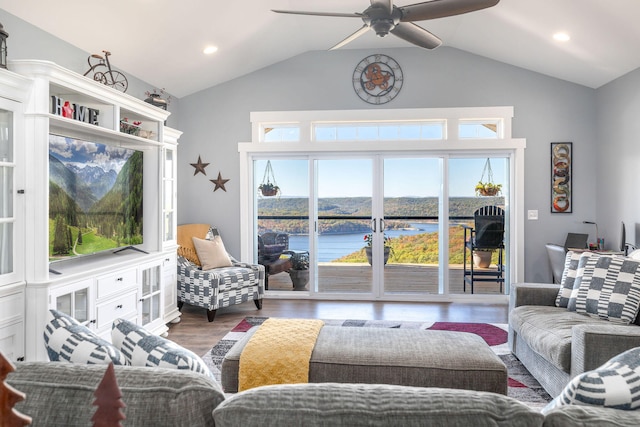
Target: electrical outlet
532	214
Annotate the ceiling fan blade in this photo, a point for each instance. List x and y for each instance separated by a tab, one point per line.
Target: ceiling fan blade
299	12
386	4
442	8
417	35
351	38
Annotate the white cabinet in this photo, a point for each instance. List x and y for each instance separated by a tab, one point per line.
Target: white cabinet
150	295
169	215
12	322
13	94
95	284
76	300
170	282
133	293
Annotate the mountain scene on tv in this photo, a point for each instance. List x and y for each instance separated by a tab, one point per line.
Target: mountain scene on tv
95	197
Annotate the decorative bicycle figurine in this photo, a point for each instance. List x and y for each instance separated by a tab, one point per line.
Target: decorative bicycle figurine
105	74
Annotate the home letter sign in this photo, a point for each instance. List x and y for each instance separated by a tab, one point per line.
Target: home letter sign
80	112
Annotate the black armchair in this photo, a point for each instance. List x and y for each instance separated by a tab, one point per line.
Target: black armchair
487	234
271	248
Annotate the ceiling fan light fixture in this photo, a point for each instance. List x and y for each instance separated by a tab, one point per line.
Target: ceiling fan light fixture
561	37
382	26
209	50
383	17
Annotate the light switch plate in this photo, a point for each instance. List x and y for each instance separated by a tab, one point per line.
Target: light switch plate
532	214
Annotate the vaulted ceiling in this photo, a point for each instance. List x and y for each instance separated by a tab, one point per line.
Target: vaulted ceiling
162	41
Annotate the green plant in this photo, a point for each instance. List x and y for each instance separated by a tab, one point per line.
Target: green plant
268	189
487	189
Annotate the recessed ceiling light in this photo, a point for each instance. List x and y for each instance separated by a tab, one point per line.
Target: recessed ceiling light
561	37
209	50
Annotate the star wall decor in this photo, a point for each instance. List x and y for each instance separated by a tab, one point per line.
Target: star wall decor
219	182
199	167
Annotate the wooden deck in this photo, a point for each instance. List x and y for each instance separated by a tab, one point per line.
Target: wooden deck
398	278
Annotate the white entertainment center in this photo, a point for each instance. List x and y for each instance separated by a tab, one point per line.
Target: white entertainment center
137	283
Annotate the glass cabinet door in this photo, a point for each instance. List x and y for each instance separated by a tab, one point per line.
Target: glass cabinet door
151	295
74	300
169	199
7	215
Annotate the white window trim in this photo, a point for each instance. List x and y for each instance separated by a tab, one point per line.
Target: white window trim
451	145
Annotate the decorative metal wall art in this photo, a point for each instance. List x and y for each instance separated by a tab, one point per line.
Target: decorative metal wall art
199	167
561	179
102	72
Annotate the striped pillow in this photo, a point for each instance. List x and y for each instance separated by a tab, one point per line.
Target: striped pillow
580	275
610	289
568	278
613	385
67	340
142	348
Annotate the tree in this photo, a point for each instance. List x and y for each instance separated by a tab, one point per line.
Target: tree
60	236
108	400
9	396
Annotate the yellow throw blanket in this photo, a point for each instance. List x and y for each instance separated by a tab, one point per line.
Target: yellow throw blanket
278	353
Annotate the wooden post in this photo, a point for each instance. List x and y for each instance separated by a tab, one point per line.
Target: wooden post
108	400
9	396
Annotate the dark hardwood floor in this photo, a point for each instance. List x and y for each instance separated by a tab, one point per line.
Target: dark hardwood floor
198	335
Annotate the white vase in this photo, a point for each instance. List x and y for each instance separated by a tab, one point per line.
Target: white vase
482	259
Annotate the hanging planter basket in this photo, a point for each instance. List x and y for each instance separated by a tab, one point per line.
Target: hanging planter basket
487	187
268	187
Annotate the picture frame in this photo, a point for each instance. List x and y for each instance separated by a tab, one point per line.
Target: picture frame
561	177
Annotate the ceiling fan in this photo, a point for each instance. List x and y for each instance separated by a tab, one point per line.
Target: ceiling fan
384	17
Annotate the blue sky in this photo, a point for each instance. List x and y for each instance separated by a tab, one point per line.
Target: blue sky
403	176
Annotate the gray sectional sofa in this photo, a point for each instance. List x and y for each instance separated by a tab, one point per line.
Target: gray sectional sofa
555	344
61	394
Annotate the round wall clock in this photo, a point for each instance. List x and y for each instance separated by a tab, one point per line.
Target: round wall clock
377	79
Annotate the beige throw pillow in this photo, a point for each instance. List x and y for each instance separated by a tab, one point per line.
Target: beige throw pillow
212	253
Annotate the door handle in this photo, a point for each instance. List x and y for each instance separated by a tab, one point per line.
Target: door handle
382	224
373	225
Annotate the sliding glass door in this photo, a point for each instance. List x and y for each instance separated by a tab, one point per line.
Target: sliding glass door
375	226
411	204
344	230
469	181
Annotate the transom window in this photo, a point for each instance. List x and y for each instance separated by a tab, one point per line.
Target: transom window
456	124
280	132
480	129
392	131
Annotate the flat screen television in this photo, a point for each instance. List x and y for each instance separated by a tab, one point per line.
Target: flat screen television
95	197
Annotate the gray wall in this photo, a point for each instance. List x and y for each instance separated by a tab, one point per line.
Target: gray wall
546	110
618	158
29	42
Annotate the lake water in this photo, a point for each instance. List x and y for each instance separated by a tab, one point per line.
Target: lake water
334	246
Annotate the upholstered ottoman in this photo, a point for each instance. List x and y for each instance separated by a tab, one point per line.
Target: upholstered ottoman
410	357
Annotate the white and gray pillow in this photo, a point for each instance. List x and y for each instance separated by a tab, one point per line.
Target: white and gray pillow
610	289
67	340
613	385
142	348
568	278
580	275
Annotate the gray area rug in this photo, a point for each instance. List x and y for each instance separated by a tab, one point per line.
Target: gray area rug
522	385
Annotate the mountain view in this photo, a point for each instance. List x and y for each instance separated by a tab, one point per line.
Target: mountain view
91	206
334	213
